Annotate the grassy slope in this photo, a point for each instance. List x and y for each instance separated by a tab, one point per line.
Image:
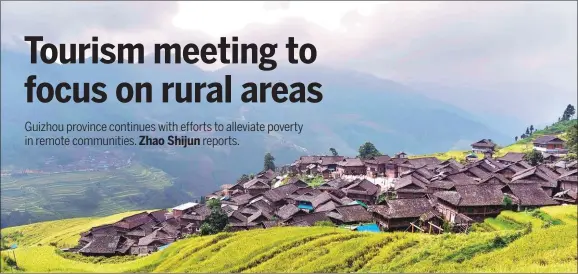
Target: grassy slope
66	195
492	247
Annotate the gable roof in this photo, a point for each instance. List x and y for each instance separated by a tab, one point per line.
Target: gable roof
424	162
461	179
548	139
495	177
378	160
530	195
486	143
242	199
280	193
407	181
133	221
473	195
571	176
353	213
522	175
512	157
101	244
159	215
287	211
257	183
403	208
309	219
362	186
350	162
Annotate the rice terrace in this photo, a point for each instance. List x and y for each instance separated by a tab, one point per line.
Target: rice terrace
542	240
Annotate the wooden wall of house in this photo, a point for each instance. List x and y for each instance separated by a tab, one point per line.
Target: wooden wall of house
448	211
410	195
352	170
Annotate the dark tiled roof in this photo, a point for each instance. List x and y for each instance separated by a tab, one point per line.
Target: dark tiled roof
159	215
362	187
286	211
424	162
484	143
403	208
531	195
350	162
378	160
101	244
548	139
133	221
242	199
461	179
495	178
257	183
408	182
310	219
353	213
512	157
571	176
473	195
546	181
280	193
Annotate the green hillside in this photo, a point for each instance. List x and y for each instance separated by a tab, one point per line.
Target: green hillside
35	198
522	145
503	244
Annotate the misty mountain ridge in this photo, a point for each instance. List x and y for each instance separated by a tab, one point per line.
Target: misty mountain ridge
356	108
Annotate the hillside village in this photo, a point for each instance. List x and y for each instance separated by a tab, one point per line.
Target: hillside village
377	193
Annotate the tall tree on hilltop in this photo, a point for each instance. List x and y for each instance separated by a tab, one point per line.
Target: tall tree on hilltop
516	139
531	128
269	162
334	152
368	150
568	112
527	131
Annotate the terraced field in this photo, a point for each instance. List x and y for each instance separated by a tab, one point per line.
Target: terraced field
48	197
504	244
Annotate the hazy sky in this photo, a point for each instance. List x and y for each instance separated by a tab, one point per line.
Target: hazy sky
498	57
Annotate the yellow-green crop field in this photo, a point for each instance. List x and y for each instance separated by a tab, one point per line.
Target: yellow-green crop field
502	244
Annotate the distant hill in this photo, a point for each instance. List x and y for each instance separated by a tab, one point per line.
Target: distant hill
356	108
39	197
501	244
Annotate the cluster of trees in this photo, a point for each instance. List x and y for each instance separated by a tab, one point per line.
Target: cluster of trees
368	150
528	133
217	221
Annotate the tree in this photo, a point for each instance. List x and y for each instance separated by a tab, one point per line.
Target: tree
368	150
572	134
334	152
531	128
516	138
568	112
244	178
527	131
269	162
534	157
523	136
507	202
217	219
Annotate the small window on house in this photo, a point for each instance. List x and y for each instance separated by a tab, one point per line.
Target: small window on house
469	210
